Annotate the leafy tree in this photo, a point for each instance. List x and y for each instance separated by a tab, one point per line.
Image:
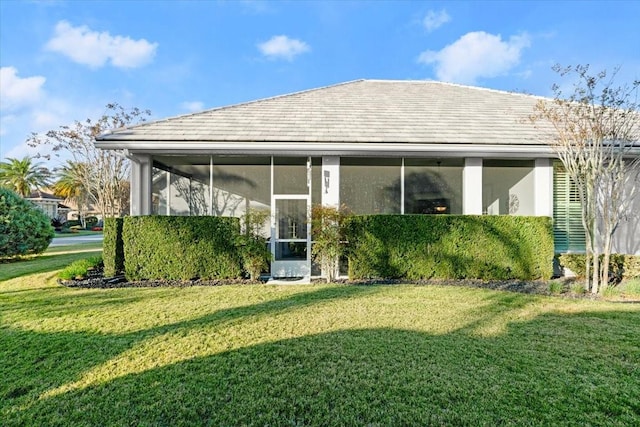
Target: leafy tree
23	176
328	234
70	185
597	138
24	229
105	180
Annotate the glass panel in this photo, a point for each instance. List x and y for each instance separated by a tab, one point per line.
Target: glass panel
179	192
291	251
316	268
370	186
290	175
316	183
188	192
159	192
240	183
508	187
199	198
291	218
433	186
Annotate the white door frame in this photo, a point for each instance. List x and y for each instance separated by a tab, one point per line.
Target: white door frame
290	268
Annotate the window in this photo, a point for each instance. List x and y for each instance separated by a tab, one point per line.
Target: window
240	183
433	186
568	231
370	185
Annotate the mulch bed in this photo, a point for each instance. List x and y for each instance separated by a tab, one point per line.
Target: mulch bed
95	279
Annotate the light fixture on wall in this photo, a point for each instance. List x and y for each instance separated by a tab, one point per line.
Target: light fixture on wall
327	181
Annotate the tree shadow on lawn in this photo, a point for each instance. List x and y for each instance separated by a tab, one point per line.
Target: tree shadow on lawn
379	377
41	361
554	369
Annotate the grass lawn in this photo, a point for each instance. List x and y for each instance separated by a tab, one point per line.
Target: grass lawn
52	259
313	355
79	233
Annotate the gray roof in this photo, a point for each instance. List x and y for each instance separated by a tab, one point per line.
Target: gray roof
41	195
371	111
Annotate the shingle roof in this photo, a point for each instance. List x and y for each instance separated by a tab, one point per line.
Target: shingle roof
373	111
41	195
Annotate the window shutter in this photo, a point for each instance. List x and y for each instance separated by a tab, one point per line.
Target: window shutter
567	218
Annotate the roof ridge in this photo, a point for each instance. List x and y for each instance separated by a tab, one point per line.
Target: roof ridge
460	85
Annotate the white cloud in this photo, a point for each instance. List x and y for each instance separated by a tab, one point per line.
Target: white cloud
17	92
94	49
474	55
26	107
282	47
434	20
192	106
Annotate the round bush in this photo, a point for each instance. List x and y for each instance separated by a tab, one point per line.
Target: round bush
24	229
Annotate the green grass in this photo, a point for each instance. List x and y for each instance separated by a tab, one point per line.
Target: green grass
629	288
79	268
52	259
79	233
313	355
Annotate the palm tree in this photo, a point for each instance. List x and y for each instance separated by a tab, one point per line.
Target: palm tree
71	185
23	176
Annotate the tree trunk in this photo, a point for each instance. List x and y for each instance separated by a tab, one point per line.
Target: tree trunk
595	273
587	266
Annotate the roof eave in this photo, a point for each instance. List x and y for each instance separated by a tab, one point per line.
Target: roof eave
331	149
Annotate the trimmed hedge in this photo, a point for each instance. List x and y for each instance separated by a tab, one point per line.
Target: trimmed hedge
419	247
24	228
621	267
113	247
181	248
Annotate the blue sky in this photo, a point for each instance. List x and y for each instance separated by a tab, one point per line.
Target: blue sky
65	60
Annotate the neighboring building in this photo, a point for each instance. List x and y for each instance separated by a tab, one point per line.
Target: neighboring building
403	147
50	204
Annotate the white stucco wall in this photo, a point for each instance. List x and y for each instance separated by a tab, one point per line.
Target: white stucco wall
330	181
626	239
472	186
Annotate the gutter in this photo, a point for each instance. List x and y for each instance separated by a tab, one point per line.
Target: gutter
328	149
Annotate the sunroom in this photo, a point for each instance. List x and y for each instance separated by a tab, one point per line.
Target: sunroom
287	186
376	147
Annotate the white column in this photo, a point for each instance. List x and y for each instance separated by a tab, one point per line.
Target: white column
402	187
140	184
330	181
472	186
543	187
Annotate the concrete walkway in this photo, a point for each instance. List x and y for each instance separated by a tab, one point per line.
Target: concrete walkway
74	240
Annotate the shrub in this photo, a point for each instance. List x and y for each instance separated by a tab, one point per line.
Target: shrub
450	247
71	223
183	248
630	287
631	267
79	269
555	287
328	235
252	244
24	229
621	266
577	288
113	247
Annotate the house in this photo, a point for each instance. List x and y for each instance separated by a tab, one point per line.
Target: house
401	147
49	204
